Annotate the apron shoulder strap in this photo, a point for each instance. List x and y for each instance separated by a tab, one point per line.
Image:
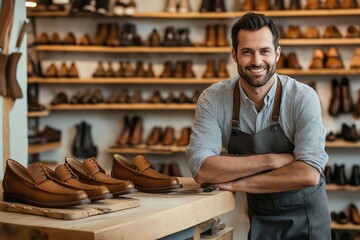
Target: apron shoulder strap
277	102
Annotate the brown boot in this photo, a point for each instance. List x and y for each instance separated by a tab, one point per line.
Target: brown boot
112	98
124	96
169	136
221	34
210	69
332	32
99	72
149	73
357	107
210	36
332	4
136	97
248	5
183	98
102	34
281	63
318	59
348	4
55	39
292	61
355	61
128	69
262	5
174	170
154	137
154	38
51	71
294	32
335	106
121	70
73	72
313	4
85	40
109	72
168	70
43	39
124	136
333	59
179	69
311	32
137	130
171	98
278	5
63	71
294	5
156	98
139	70
222	70
347	102
184	137
352	32
189	73
70	39
114	35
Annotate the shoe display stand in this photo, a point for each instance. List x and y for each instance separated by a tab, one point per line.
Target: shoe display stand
285	18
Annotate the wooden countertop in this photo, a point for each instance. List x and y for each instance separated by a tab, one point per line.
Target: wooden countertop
159	215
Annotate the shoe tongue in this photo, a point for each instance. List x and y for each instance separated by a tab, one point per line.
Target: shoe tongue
141	163
63	172
91	166
38	172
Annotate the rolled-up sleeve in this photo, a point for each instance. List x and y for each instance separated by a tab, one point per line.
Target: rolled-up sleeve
205	140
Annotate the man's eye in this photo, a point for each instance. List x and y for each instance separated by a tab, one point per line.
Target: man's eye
246	53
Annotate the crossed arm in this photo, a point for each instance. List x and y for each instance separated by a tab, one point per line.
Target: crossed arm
263	173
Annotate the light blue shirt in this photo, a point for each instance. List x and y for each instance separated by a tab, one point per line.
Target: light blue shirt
300	120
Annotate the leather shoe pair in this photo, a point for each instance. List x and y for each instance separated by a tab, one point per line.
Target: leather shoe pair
142	174
35	187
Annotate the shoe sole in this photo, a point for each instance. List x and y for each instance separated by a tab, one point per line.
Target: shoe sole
115	194
10	197
159	190
101	197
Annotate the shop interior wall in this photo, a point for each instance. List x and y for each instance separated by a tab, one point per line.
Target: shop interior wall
18	114
106	125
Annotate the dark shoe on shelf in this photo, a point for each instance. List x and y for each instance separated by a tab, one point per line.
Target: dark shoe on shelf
347	104
149	73
355	176
335	100
137	128
292	61
357	107
318	59
169	136
188	73
103	30
124	137
155	136
352	32
170	37
349	133
184	137
154	38
339	174
210	40
85	40
51	71
313	4
183	37
102	7
70	39
210	69
222	70
55	39
294	31
329	176
332	4
113	38
278	5
345	4
333	59
99	72
43	39
294	5
73	72
221	33
60	98
168	71
311	32
109	72
248	5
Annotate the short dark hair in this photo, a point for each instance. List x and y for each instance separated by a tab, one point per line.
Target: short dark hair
252	22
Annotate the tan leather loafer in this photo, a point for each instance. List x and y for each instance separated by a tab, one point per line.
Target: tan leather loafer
33	186
142	174
90	172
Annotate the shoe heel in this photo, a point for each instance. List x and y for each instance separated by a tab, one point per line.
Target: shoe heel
8	197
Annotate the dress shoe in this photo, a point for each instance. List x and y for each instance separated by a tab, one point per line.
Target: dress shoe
136	97
262	5
155	136
210	69
34	187
85	40
90	172
156	98
60	98
355	176
352	32
332	4
294	32
345	4
73	72
278	5
102	7
311	32
183	98
103	30
171	98
169	136
347	105
333	59
121	70
109	72
137	128
292	61
142	174
339	174
171	6
96	97
341	218
50	134
43	39
154	38
124	96
221	33
355	61
66	177
210	40
124	137
354	214
222	70
349	133
55	39
329	177
168	71
51	71
113	38
183	37
70	39
128	70
184	137
99	72
313	4
170	37
139	70
62	73
206	6
112	98
318	59
332	32
248	5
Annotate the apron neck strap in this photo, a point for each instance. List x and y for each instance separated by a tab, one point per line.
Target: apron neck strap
236	104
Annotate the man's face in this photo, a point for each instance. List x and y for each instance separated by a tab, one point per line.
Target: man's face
256	56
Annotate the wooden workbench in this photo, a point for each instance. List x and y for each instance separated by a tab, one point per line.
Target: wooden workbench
157	216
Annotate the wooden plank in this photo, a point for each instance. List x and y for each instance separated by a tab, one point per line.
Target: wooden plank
130	106
38	114
325	72
320	41
342	144
37	148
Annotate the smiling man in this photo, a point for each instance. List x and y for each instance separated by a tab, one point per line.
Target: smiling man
272	130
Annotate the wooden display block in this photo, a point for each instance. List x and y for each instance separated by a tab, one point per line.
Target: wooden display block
75	212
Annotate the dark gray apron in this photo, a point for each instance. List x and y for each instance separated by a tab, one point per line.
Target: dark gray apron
292	215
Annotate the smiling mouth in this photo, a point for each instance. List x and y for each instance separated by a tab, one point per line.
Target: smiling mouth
257	70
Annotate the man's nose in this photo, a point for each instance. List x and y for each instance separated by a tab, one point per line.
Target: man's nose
256	59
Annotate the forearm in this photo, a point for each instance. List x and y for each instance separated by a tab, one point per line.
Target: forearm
220	169
293	176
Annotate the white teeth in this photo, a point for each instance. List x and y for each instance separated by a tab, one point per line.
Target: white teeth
257	70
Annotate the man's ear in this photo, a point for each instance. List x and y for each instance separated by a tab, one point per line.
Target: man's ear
277	53
233	54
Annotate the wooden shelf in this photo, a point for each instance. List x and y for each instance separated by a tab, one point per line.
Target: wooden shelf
225	15
137	106
125	80
137	49
37	148
348	226
319	41
335	187
38	114
144	149
325	72
342	144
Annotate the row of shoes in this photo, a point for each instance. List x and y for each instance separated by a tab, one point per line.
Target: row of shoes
90	96
348	133
55	39
47	135
49	5
212	6
180	6
265	5
120	8
294	31
344	217
64	72
132	134
80	182
337	175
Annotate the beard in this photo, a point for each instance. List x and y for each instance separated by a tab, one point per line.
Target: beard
270	71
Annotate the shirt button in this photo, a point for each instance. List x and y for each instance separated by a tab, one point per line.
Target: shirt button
274	129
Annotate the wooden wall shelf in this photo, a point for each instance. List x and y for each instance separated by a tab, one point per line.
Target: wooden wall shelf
124	80
162	150
348	226
342	144
137	106
38	114
335	187
37	148
314	72
319	41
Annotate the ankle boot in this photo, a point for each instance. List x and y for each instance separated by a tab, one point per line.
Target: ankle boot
294	5
90	150
149	73
156	98
210	36
332	4
169	136
137	130
128	70
51	71
313	4
221	40
102	7
292	61
168	71
335	101
3	63
248	5
6	13
184	6
184	137
154	38
219	6
124	96
210	69
73	72
262	5
357	107
174	170
333	59
139	70
355	175
318	59
352	32
154	137
279	5
354	215
183	37
136	97
189	73
109	72
70	39
102	34
205	6
222	71
114	35
171	6
13	89
85	40
311	32
347	102
332	32
128	35
349	133
55	39
171	38
348	4
179	69
329	177
43	39
355	61
99	72
63	71
124	137
77	147
339	175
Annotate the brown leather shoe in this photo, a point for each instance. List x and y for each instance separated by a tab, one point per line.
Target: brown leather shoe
311	32
136	97
189	73
43	39
292	61
354	214
66	177
262	5
85	40
169	136
179	69
184	137
128	69
348	4
222	70
332	32
33	186
139	70
63	71
51	71
294	32
154	38
248	5
125	134
109	72
278	5
142	174
335	100
210	40
99	72
156	97
294	5
210	69
124	96
137	128
333	59
102	34
149	73
113	38
355	61
352	32
332	4
55	39
90	172
154	137
318	59
347	104
70	39
168	71
73	72
221	33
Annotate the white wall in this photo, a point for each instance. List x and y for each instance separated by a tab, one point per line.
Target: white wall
18	115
